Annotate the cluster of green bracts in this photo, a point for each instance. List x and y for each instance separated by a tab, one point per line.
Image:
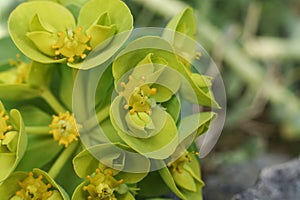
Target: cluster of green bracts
145	148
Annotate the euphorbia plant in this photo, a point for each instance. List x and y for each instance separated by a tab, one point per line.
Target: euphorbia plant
137	141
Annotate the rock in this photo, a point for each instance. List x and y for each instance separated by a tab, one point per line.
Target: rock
231	178
278	182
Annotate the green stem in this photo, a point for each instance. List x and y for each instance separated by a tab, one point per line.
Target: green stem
103	113
52	101
101	116
62	159
37	130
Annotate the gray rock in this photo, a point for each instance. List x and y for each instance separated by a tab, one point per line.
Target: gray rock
279	182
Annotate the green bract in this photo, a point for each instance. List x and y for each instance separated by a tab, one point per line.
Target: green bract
146	80
35	185
47	32
13	141
183	177
135	112
116	182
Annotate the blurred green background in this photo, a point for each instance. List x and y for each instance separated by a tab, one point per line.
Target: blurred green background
256	46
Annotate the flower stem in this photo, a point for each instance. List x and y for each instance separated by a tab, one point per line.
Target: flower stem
37	130
52	101
103	113
62	159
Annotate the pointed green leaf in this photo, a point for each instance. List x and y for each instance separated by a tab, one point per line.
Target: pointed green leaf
34	116
190	124
101	35
184	180
41	150
152	185
173	107
8	50
40	75
17	92
168	179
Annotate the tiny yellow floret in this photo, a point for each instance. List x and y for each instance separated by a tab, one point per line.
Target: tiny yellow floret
34	188
64	128
72	45
102	186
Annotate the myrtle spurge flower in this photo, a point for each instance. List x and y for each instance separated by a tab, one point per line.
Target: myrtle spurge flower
47	32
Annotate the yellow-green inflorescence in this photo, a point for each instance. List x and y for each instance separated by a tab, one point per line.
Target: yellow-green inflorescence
138	100
34	188
64	128
102	185
22	69
71	45
177	165
4	125
18	72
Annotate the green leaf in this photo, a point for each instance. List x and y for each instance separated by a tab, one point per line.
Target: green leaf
8	50
52	16
66	85
41	150
180	31
152	186
194	169
17	92
168	179
173	107
110	132
33	116
40	75
184	180
189	125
